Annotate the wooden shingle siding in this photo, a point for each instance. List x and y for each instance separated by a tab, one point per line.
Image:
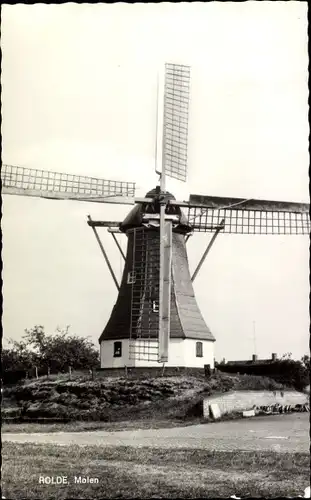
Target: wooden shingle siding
186	318
192	322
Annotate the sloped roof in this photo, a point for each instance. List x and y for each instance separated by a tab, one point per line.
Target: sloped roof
250	362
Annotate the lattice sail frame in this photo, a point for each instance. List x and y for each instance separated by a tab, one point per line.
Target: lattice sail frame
22	180
144	325
248	216
175	120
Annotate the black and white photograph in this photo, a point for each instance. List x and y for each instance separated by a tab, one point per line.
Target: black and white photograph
155	250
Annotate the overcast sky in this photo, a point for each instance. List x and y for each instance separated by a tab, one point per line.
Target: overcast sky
79	96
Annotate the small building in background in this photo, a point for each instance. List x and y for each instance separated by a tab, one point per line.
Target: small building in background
254	359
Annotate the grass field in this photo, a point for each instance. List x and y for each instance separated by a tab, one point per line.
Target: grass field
147	473
30	427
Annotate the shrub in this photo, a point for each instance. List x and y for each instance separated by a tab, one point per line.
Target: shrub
256	383
284	371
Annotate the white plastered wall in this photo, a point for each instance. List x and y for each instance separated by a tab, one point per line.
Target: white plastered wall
182	352
190	358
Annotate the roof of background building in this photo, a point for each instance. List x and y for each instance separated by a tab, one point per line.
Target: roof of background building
250	361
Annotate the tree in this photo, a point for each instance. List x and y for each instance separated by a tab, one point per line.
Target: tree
63	350
57	351
305	360
17	357
13	360
287	355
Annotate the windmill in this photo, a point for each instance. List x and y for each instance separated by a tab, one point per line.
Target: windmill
156	318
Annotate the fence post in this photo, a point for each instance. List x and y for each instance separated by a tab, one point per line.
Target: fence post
49	371
36	369
69	372
163	368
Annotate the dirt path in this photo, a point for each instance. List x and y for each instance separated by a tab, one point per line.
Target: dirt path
283	433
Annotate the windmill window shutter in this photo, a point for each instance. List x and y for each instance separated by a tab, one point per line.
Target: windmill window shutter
117	349
199	349
131	277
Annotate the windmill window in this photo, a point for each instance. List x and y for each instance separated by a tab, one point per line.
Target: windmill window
199	349
131	277
117	349
155	306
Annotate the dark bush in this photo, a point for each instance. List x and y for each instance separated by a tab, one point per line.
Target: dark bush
46	410
13	376
83	405
284	371
42	395
23	393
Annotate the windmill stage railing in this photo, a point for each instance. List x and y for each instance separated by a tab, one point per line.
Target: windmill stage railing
34	182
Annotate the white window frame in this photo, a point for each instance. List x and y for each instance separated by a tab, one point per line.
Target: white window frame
197	344
131	277
114	349
155	306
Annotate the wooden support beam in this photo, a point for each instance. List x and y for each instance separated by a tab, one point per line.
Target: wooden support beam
103	223
104	254
209	246
187	237
118	244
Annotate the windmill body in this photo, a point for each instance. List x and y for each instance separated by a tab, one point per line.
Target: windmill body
134	321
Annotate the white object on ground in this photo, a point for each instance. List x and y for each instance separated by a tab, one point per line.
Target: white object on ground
276	437
307	492
215	411
249	413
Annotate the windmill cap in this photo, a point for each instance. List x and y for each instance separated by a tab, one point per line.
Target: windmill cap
135	216
154	192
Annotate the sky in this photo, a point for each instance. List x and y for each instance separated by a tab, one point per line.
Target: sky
79	96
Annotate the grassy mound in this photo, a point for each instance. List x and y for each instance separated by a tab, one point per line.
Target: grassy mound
116	399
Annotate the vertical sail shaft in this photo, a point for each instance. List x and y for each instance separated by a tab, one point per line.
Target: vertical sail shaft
165	286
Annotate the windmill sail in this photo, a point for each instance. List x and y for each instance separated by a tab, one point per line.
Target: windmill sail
174	164
248	216
63	186
175	120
